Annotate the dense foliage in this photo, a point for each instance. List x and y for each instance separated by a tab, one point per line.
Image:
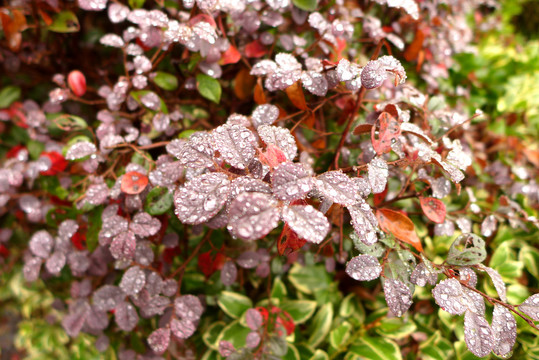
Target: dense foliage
248	179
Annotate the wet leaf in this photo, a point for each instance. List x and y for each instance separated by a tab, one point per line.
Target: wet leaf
434	209
159	340
236	144
477	334
158	201
252	216
201	198
400	226
309	223
467	249
363	268
504	330
388	133
133	183
398	296
291	181
449	295
530	307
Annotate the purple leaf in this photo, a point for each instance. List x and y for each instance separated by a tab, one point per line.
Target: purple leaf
315	82
201	198
56	262
182	329
80	149
226	348
154	283
253	216
126	316
107	297
364	222
41	244
377	71
497	281
170	286
144	224
97	319
280	137
197	152
235	143
143	253
229	273
449	295
291	181
504	330
188	307
422	276
488	226
530	307
159	340
363	268
252	340
468	275
309	223
265	114
378	171
123	246
477	334
74	321
254	319
337	187
398	296
248	260
133	281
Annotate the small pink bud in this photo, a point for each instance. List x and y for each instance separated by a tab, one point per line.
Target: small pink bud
77	82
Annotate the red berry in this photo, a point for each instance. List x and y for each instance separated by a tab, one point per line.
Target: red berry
77	82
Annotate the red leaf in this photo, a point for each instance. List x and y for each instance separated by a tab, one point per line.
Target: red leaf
230	56
133	182
273	156
79	240
14	151
290	240
4	251
389	130
380	197
287	322
58	163
400	226
434	209
205	263
255	49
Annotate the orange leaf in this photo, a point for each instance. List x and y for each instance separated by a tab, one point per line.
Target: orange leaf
230	56
133	183
400	226
260	97
412	51
434	209
244	84
310	120
380	197
390	129
296	96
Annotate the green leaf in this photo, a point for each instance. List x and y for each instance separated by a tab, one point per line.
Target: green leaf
138	94
396	328
375	348
212	333
136	4
309	279
307	5
339	335
158	201
8	95
292	353
467	249
94	227
350	306
165	81
278	290
234	304
300	310
530	257
35	148
235	334
319	355
209	87
320	325
65	22
69	122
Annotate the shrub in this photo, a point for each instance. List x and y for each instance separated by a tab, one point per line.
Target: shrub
228	179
